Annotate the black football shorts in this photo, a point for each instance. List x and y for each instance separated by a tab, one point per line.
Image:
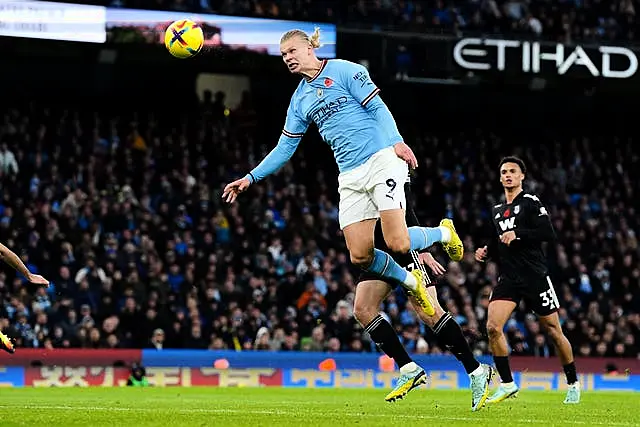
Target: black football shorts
537	292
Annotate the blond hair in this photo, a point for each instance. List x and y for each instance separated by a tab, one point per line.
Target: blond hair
313	39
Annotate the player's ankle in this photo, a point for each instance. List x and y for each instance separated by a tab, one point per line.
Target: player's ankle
478	371
409	367
446	234
410	282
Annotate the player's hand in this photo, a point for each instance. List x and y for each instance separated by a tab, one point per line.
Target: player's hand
427	259
508	237
405	153
231	190
38	280
481	254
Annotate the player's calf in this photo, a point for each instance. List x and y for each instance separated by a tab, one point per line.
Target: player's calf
494	331
450	336
448	333
369	296
428	320
366	304
388	269
385	337
551	323
359	237
500	309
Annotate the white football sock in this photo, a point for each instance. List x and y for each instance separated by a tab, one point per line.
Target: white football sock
409	367
446	234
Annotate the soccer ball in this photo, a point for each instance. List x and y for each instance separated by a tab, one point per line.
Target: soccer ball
184	39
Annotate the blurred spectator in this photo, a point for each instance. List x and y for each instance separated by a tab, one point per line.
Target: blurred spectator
561	21
157	339
143	254
9	164
403	63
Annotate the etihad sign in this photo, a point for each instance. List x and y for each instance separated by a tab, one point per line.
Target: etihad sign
612	62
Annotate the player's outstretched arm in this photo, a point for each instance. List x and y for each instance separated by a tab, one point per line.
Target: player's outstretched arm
294	129
280	155
233	189
14	261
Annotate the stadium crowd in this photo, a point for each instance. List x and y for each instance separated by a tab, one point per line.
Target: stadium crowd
123	214
563	20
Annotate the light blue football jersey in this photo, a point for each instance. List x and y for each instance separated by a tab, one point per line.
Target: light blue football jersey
342	101
336	100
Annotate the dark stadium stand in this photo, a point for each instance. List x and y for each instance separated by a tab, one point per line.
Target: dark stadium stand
123	121
123	214
562	21
117	201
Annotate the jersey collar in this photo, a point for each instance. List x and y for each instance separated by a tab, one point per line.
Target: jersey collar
518	197
315	76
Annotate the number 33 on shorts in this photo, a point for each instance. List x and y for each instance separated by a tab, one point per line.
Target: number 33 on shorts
549	298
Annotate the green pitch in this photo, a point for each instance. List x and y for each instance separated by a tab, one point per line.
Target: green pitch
302	407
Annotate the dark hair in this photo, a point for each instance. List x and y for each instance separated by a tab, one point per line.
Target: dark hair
513	159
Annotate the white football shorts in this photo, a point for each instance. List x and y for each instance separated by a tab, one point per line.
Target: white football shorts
376	185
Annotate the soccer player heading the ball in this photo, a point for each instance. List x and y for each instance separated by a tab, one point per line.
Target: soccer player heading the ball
522	224
340	98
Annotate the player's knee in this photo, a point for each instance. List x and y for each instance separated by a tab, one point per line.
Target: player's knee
430	321
494	329
398	244
554	330
364	313
361	259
